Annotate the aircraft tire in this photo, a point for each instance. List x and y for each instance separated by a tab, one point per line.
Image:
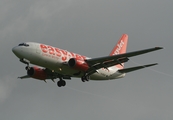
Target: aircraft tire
61	83
58	84
84	78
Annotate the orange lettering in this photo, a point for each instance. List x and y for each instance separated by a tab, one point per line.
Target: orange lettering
58	53
51	50
64	52
78	57
72	54
83	57
43	48
64	58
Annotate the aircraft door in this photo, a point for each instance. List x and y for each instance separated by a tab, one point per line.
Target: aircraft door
38	51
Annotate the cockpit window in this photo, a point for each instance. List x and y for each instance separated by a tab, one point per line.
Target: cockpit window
23	44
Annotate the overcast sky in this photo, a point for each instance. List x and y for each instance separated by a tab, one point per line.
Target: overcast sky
91	28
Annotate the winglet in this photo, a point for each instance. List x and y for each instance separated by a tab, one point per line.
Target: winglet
158	48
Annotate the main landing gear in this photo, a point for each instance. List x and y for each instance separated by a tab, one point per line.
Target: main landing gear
61	83
25	61
85	78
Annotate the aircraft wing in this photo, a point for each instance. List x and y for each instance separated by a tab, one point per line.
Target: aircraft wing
108	61
119	56
106	64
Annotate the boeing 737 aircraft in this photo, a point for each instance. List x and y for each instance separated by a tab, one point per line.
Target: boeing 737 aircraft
58	63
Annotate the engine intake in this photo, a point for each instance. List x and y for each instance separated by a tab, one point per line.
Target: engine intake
37	73
78	64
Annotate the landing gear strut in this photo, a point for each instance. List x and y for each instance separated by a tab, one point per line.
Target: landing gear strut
61	83
84	78
27	67
25	62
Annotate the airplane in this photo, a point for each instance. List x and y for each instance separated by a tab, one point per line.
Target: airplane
52	62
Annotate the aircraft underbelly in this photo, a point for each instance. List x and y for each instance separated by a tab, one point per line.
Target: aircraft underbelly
66	70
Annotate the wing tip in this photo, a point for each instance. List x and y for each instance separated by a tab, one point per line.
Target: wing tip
152	64
158	48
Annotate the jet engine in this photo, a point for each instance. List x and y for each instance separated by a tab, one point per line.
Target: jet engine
78	64
37	73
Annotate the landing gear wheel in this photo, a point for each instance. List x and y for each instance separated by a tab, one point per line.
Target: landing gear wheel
84	78
27	67
61	83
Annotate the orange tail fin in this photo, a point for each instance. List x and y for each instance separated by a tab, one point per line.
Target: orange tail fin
120	48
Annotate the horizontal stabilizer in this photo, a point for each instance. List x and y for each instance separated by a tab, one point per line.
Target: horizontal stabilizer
126	70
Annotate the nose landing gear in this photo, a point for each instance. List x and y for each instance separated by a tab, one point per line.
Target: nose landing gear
25	61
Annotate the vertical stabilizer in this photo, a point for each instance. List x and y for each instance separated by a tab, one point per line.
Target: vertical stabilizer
120	48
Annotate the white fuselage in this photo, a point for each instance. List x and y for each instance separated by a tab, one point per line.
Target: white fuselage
56	59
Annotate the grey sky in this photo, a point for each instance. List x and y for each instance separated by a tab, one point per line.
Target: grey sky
91	28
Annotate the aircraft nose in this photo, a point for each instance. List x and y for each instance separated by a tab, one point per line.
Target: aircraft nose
16	50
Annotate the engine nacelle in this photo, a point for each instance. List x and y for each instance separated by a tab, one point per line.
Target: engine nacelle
37	73
78	64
